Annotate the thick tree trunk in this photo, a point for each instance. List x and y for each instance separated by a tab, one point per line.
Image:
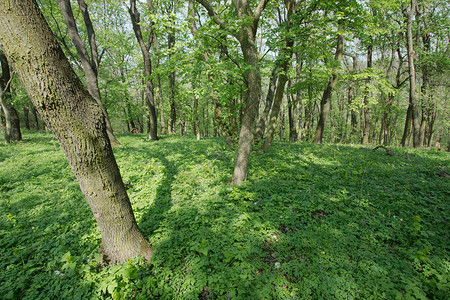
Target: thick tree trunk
90	64
77	121
326	98
253	78
145	48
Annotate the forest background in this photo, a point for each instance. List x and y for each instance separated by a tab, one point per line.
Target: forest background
185	73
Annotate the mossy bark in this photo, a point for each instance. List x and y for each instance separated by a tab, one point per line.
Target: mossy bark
77	121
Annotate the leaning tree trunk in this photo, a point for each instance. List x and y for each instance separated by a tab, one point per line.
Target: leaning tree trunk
326	97
78	122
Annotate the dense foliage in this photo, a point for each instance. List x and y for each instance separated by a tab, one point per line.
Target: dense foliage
312	222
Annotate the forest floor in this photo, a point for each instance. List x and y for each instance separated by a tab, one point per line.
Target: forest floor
312	222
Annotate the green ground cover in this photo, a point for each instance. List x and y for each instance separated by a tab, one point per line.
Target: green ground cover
312	222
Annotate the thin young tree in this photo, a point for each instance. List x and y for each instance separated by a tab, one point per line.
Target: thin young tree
77	121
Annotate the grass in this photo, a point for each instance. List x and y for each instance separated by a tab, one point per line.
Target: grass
312	222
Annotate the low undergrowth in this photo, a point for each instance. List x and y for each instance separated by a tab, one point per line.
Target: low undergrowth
312	222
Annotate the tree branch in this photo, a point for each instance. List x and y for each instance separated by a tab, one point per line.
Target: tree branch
213	14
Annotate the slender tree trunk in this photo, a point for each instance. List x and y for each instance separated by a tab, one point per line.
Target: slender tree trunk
412	74
36	119
292	108
366	132
145	48
246	35
326	98
78	122
407	127
26	115
285	62
90	64
12	122
173	106
261	126
298	96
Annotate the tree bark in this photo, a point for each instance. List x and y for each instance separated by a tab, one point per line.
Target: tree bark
412	74
366	131
261	126
36	119
26	115
145	48
12	122
326	98
77	121
90	64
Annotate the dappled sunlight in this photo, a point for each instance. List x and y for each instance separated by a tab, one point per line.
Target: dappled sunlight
312	221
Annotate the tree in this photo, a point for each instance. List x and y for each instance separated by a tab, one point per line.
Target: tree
413	114
77	121
90	64
246	36
326	97
145	48
12	122
285	62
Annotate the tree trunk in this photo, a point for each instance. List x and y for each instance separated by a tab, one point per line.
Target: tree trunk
36	119
298	96
78	122
261	126
12	122
145	48
173	106
366	132
285	62
292	108
246	35
90	64
407	129
326	98
26	115
412	74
